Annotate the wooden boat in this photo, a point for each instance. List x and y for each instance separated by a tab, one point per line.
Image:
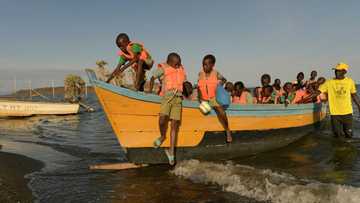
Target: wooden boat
9	108
257	128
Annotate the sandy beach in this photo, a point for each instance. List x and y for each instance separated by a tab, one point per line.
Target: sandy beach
13	184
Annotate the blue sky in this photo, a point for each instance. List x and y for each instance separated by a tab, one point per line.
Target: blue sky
247	37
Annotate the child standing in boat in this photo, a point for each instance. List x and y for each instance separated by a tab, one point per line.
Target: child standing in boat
134	55
173	76
208	81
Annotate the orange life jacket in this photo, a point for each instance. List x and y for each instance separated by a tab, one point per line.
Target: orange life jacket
208	85
242	99
130	55
279	92
144	54
299	95
173	78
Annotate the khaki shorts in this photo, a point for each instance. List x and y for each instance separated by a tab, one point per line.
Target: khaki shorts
171	106
213	103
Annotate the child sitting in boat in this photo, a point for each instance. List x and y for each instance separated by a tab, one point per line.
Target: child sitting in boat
312	79
208	81
288	94
300	80
267	96
188	90
278	90
173	77
241	94
135	55
313	88
229	87
265	81
300	94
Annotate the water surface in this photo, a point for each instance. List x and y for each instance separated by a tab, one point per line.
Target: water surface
318	166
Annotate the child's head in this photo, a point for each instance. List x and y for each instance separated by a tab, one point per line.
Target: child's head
239	86
265	80
277	82
300	76
288	87
208	63
321	81
313	74
187	88
174	60
122	41
267	91
296	86
229	86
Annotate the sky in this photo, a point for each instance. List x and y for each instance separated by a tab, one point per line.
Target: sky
49	38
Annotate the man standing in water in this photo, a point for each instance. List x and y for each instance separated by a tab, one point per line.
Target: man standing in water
341	90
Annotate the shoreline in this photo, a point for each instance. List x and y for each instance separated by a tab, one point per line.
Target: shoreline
13	184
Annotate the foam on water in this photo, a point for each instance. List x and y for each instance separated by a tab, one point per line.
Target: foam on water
264	184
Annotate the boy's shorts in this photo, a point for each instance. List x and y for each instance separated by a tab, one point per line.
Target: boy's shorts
171	106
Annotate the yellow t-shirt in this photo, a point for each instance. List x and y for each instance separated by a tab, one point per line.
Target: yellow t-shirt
339	95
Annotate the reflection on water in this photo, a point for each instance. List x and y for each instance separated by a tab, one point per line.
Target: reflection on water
314	166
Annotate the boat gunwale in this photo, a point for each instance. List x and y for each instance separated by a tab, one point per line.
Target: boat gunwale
152	98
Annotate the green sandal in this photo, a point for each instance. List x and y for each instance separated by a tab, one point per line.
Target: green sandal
170	157
157	142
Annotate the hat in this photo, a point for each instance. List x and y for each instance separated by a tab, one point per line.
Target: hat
342	66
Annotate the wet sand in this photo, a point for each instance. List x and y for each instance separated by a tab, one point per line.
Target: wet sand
13	184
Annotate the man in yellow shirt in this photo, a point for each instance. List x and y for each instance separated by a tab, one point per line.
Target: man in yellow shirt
341	90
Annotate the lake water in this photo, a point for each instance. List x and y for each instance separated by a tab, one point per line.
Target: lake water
318	168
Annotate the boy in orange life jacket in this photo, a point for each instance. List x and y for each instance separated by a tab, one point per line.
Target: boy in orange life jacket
135	55
300	93
241	94
207	83
300	80
267	96
174	76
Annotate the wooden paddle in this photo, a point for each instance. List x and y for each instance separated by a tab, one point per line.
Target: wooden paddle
117	166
